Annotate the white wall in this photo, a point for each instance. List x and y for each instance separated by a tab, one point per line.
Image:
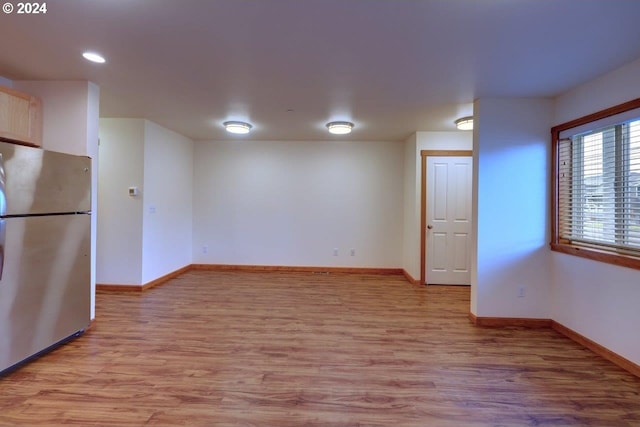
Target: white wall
457	140
290	203
146	237
453	140
411	234
598	300
616	87
119	249
70	125
93	126
168	202
512	194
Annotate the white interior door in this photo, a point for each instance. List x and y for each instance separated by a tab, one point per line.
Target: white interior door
448	215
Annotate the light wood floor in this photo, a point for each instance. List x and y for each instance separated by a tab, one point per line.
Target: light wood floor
297	349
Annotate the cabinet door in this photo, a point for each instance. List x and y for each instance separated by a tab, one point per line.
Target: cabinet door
20	117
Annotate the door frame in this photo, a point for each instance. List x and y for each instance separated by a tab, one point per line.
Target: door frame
423	201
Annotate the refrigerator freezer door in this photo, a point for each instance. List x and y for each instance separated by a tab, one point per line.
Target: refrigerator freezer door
46	284
40	182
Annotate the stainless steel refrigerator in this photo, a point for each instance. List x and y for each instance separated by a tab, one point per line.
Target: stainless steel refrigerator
45	235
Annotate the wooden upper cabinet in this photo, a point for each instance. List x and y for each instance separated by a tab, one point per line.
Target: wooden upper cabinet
20	117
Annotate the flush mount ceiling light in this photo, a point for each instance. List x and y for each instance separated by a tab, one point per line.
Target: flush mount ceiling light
94	57
464	123
340	128
237	127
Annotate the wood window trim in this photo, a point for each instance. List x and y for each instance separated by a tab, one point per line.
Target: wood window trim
423	200
557	245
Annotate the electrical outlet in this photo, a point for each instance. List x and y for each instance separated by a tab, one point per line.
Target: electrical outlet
205	249
353	252
335	251
521	292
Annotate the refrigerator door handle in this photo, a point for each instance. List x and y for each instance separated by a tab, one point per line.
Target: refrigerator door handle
3	195
3	225
3	212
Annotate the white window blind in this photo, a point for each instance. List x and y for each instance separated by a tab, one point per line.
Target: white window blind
599	186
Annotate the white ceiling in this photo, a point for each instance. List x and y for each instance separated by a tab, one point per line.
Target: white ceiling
289	66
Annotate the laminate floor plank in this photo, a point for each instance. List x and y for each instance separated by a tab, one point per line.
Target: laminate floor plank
213	348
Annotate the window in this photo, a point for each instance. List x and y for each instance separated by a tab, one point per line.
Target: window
596	198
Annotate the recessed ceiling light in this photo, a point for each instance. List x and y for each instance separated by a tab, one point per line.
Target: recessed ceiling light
237	127
464	123
94	57
340	128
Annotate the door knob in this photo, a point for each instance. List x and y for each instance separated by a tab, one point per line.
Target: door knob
429	227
